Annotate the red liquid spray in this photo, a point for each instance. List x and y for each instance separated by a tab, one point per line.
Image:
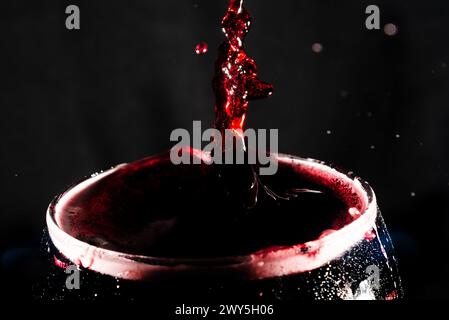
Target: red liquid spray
235	82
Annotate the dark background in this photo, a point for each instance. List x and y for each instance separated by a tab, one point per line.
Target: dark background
74	102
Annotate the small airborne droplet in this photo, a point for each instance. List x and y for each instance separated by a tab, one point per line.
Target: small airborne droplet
372	147
201	48
317	47
390	29
328	132
397	135
412	194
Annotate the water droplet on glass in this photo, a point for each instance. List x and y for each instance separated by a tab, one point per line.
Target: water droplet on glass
370	235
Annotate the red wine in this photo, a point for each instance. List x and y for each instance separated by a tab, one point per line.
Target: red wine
235	82
154	208
222	231
151	220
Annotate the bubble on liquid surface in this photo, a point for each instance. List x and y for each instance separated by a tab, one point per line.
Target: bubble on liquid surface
354	212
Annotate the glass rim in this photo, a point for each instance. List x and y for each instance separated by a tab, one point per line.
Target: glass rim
261	264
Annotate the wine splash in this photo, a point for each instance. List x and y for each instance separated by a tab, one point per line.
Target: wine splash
230	199
154	220
235	82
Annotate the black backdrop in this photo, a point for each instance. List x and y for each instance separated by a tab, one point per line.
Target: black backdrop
75	102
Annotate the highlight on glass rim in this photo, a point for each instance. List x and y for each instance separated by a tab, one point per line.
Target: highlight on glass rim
211	158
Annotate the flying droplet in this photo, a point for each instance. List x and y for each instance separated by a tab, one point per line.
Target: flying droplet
201	48
328	132
412	194
317	47
390	29
398	135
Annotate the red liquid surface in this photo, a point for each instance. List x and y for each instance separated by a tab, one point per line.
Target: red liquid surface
152	207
